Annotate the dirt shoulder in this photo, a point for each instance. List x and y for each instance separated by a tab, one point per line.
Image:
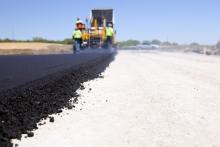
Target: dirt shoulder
33	48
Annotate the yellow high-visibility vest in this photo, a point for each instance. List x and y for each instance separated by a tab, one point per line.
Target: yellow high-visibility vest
77	34
109	31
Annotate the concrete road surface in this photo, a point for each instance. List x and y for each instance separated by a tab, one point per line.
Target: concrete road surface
146	99
18	70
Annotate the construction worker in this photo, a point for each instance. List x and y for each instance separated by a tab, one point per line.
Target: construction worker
80	26
77	36
79	23
109	35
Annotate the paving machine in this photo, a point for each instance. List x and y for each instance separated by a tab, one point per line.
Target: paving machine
94	29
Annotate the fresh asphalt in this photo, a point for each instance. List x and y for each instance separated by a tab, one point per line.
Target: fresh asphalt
21	69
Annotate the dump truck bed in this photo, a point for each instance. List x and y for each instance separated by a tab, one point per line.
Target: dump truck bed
99	14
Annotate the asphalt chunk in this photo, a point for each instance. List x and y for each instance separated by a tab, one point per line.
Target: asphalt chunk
30	134
51	119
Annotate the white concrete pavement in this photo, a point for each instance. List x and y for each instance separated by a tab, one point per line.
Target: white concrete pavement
146	99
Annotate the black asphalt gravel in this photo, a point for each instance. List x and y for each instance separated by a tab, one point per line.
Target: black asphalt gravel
33	87
17	70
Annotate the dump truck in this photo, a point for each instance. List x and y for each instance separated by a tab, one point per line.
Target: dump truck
94	28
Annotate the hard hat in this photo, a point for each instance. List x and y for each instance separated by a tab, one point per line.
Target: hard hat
79	20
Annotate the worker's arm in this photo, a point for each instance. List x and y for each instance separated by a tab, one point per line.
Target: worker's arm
113	33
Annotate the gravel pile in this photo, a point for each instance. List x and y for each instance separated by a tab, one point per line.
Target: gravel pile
23	107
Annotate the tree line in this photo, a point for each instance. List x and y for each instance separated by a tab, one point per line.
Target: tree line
130	43
120	44
39	39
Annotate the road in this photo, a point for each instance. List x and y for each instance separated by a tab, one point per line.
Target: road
19	70
146	99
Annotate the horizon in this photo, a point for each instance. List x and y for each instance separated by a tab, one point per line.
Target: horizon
140	20
60	40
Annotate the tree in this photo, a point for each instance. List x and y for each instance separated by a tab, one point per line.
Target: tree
146	42
128	43
175	44
7	40
39	39
218	45
155	41
167	43
132	42
67	41
194	44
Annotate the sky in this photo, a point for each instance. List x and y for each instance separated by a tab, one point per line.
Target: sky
181	21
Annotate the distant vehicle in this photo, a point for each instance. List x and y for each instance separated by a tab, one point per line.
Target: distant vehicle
147	46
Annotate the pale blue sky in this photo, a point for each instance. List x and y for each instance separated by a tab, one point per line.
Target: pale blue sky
181	21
